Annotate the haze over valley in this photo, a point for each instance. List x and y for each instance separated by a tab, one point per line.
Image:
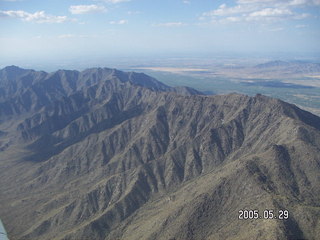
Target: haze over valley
295	81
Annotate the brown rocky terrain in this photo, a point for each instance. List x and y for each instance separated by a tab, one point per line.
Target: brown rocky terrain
104	154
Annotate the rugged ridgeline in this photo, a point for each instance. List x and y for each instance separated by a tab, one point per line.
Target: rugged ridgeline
103	154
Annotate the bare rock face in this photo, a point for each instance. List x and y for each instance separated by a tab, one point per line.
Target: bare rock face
104	154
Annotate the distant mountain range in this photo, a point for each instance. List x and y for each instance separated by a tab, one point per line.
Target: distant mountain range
106	154
293	67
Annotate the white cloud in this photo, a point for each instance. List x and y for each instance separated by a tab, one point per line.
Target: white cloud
233	19
280	3
71	36
133	12
304	2
186	1
301	26
116	1
223	10
258	11
120	22
83	9
255	1
170	24
276	29
63	36
316	2
271	12
297	2
38	17
301	16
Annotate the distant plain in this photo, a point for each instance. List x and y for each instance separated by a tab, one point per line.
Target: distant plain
297	82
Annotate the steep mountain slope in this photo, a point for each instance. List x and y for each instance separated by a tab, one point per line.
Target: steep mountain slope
103	154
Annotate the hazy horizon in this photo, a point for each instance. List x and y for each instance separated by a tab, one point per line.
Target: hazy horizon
39	33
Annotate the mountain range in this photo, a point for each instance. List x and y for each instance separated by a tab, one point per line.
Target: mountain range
289	67
106	154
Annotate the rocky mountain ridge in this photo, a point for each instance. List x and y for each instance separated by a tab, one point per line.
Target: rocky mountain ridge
113	155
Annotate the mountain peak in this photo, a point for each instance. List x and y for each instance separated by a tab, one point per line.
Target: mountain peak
13	70
270	64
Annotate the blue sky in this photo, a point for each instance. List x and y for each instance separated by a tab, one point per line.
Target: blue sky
38	30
